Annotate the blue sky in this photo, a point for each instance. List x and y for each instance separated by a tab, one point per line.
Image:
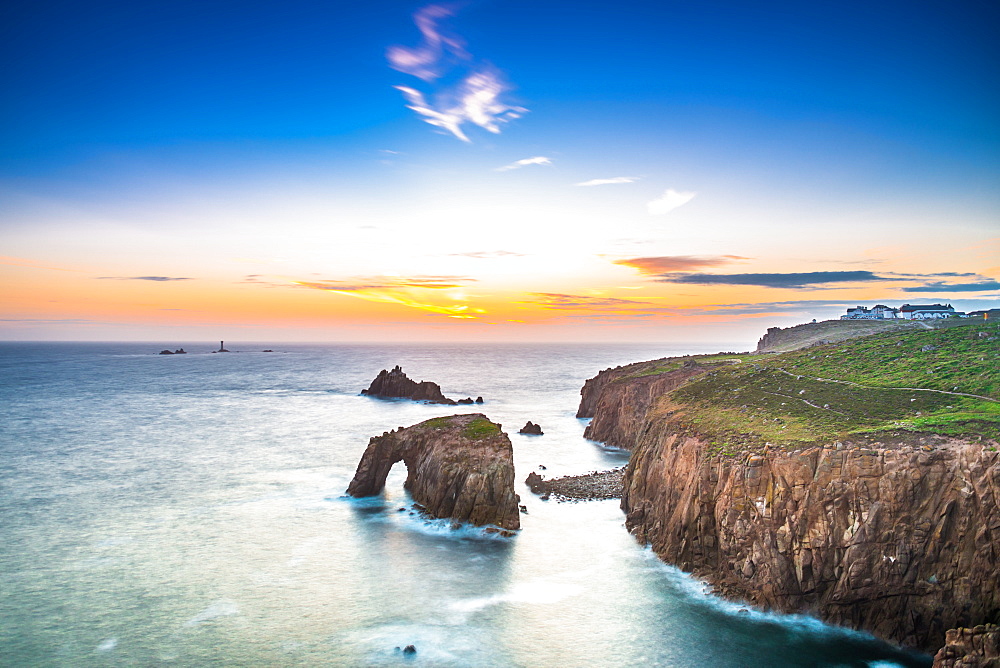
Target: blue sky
797	136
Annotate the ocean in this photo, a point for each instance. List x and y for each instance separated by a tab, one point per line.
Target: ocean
189	510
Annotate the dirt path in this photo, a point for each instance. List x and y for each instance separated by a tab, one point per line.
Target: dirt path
877	387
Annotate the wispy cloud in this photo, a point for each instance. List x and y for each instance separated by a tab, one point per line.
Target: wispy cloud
795	306
791	280
938	286
597	309
397	290
427	60
608	182
157	279
476	98
389	282
673	263
484	255
669	201
537	160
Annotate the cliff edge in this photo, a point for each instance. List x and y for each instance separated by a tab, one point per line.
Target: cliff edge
857	481
459	467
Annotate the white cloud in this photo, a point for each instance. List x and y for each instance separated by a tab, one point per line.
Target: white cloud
604	182
476	98
424	61
670	200
537	160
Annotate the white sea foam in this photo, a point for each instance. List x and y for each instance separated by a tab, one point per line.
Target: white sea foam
107	644
538	592
220	608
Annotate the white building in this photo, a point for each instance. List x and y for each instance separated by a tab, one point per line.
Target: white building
877	312
927	311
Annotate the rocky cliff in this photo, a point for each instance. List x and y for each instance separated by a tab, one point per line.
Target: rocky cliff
459	467
811	494
901	541
396	385
620	399
977	647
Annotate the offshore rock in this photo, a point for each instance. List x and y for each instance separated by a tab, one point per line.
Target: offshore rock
531	428
903	542
977	647
459	467
396	385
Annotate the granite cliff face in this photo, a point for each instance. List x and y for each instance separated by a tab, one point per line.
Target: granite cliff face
977	647
899	541
396	385
459	467
621	400
899	536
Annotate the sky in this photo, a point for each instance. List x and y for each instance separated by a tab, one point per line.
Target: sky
494	170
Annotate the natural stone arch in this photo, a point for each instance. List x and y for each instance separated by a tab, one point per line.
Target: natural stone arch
459	467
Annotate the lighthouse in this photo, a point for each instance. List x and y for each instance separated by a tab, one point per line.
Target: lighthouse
222	347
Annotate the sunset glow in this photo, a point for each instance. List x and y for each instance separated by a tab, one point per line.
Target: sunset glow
492	171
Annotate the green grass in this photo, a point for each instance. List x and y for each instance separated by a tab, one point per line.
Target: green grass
961	357
735	406
480	428
438	423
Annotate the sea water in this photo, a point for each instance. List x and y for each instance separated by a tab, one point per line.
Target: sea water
189	510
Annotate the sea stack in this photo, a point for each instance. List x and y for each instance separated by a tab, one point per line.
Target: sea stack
459	467
396	385
531	429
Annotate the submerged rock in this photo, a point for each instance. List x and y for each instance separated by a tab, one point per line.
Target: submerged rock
459	467
396	385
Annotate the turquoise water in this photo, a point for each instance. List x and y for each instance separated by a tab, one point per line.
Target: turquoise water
189	510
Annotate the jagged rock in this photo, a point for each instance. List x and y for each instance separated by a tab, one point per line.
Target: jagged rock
167	352
467	400
977	647
409	649
395	385
459	467
531	428
479	400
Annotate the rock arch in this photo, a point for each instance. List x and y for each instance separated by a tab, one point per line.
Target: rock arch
459	467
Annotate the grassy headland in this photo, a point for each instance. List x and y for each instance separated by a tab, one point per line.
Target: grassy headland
943	381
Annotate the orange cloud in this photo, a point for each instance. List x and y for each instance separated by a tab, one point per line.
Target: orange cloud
669	263
394	291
